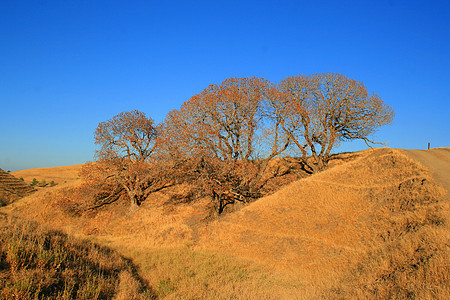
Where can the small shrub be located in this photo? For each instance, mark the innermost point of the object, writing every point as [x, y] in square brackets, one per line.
[43, 183]
[34, 182]
[52, 183]
[165, 287]
[21, 179]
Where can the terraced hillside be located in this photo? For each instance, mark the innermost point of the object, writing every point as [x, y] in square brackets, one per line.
[11, 188]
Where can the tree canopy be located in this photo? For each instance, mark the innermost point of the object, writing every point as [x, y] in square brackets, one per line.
[224, 137]
[125, 161]
[322, 110]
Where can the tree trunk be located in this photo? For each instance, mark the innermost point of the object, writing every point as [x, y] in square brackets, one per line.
[217, 203]
[134, 201]
[316, 163]
[320, 163]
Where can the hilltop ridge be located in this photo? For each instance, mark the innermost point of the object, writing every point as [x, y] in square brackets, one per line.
[324, 226]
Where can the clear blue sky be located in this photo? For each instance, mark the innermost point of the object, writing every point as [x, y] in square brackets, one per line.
[65, 66]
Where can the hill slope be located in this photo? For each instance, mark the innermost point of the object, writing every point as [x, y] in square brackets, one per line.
[11, 188]
[37, 263]
[438, 160]
[326, 227]
[374, 227]
[56, 174]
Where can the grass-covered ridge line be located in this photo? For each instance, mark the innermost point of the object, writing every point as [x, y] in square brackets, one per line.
[36, 263]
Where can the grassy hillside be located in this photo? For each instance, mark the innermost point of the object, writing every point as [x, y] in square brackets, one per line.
[12, 188]
[36, 263]
[373, 227]
[58, 174]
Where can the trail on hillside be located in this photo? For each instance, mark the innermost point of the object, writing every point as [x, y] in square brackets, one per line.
[438, 160]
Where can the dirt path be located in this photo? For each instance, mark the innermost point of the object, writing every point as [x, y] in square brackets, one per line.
[438, 160]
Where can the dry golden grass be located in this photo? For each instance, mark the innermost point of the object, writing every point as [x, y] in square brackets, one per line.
[373, 227]
[322, 228]
[37, 263]
[58, 174]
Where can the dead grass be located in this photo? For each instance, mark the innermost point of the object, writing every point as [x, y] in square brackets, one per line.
[321, 228]
[57, 174]
[184, 272]
[36, 263]
[373, 226]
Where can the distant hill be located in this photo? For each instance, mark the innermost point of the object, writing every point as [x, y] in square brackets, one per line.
[56, 174]
[11, 188]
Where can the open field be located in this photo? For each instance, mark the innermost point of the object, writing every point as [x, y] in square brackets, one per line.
[58, 174]
[373, 226]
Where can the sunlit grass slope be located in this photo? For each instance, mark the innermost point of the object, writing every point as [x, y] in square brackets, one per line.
[57, 174]
[374, 227]
[37, 263]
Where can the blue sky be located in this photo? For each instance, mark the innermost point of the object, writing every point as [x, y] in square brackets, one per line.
[65, 66]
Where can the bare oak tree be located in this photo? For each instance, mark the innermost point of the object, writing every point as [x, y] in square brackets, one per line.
[228, 126]
[224, 137]
[322, 110]
[125, 161]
